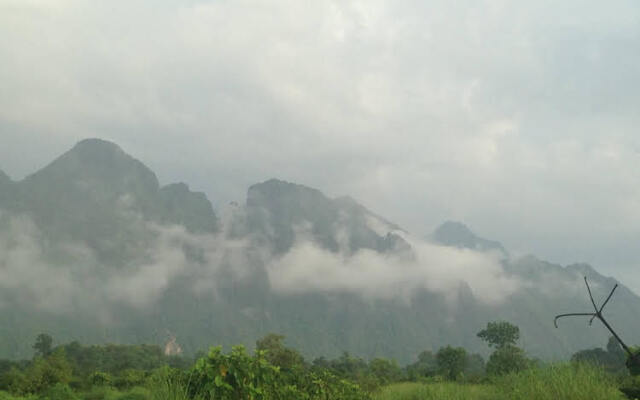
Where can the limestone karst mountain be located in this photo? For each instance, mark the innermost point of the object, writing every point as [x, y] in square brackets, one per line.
[282, 210]
[92, 248]
[456, 234]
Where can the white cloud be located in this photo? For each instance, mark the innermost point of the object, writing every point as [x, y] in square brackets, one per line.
[440, 269]
[518, 117]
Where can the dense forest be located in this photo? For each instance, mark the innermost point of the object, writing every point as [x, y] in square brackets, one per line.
[74, 371]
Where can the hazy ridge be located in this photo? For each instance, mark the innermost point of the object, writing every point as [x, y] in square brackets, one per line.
[93, 248]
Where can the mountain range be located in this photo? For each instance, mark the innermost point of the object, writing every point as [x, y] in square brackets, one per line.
[93, 248]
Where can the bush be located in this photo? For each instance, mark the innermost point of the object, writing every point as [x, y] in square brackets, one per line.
[100, 379]
[6, 396]
[239, 376]
[130, 378]
[136, 393]
[59, 391]
[101, 393]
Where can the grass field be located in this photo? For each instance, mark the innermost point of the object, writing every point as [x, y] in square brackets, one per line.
[422, 391]
[558, 382]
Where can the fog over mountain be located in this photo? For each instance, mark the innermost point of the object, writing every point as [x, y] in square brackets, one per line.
[519, 119]
[92, 248]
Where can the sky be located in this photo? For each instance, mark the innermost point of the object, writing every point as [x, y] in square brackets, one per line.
[519, 119]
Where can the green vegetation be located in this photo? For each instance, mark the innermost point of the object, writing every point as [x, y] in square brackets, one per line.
[436, 390]
[274, 371]
[507, 357]
[567, 381]
[562, 381]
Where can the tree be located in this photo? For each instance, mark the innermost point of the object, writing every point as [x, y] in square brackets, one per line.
[277, 354]
[43, 373]
[612, 359]
[615, 350]
[499, 334]
[451, 361]
[425, 366]
[503, 336]
[385, 371]
[475, 366]
[43, 345]
[507, 359]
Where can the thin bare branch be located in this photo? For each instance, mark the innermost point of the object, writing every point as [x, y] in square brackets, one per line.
[609, 297]
[590, 295]
[571, 315]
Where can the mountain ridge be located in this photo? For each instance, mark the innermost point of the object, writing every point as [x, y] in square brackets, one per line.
[158, 258]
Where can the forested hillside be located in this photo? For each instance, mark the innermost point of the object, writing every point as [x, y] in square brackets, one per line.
[93, 248]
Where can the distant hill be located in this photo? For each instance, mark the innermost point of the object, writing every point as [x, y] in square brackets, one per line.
[93, 249]
[456, 234]
[277, 209]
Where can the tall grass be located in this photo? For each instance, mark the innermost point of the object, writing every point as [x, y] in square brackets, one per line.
[558, 382]
[435, 391]
[170, 390]
[165, 386]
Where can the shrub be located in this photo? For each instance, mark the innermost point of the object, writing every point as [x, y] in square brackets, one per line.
[239, 376]
[100, 379]
[59, 391]
[136, 393]
[101, 393]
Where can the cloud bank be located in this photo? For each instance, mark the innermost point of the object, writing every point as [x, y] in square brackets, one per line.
[518, 118]
[66, 277]
[440, 269]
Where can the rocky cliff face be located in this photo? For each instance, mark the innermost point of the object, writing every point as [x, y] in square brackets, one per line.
[282, 211]
[96, 224]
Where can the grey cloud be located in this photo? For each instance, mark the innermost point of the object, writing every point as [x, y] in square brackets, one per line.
[517, 117]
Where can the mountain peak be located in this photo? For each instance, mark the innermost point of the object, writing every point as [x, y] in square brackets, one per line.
[101, 162]
[457, 234]
[97, 144]
[283, 210]
[278, 188]
[455, 231]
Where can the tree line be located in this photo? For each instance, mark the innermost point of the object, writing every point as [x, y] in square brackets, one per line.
[274, 370]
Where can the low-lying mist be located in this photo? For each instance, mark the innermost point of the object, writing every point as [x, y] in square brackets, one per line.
[427, 266]
[64, 276]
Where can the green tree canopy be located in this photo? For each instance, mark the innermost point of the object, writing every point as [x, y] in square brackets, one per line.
[507, 359]
[425, 366]
[43, 345]
[385, 371]
[499, 334]
[277, 354]
[612, 359]
[451, 361]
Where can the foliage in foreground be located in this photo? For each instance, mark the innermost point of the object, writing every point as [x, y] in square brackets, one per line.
[434, 391]
[560, 381]
[567, 381]
[274, 371]
[239, 376]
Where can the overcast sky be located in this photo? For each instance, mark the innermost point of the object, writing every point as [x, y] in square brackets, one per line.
[520, 119]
